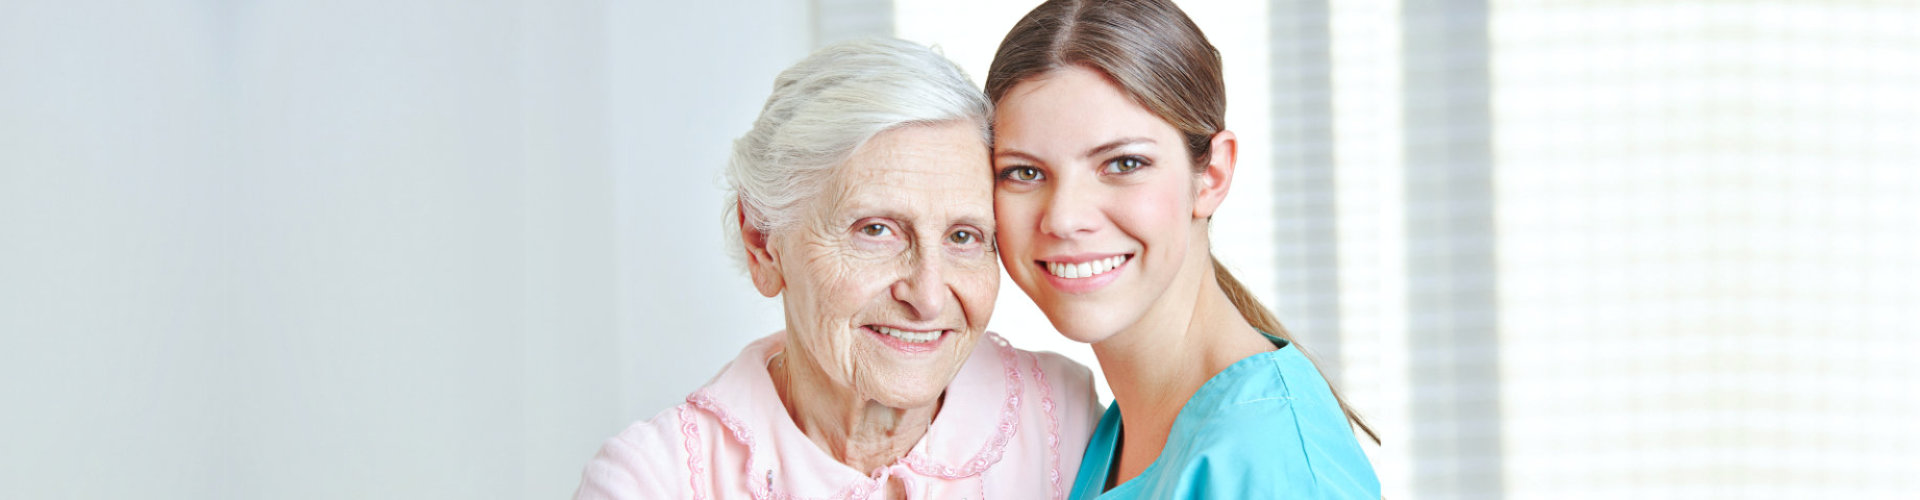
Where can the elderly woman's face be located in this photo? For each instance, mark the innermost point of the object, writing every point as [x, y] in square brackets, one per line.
[892, 276]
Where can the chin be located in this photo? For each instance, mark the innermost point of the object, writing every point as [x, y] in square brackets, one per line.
[1082, 327]
[908, 387]
[908, 398]
[1084, 335]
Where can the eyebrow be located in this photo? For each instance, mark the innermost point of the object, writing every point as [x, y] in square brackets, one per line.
[985, 224]
[1116, 144]
[975, 220]
[1102, 149]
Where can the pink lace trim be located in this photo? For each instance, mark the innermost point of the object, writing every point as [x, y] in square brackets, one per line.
[1053, 425]
[701, 400]
[692, 433]
[764, 491]
[988, 455]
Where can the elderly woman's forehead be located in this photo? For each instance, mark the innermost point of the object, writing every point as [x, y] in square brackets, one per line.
[910, 192]
[916, 179]
[908, 169]
[922, 151]
[947, 137]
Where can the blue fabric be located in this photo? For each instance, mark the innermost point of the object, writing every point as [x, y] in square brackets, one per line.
[1266, 427]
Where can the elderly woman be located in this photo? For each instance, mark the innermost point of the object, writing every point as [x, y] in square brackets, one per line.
[864, 200]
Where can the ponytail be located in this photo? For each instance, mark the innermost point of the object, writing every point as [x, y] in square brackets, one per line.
[1263, 320]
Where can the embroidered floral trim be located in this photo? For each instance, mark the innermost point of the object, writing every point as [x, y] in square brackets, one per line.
[765, 491]
[989, 454]
[692, 433]
[740, 432]
[1053, 424]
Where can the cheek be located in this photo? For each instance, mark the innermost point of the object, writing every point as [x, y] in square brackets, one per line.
[833, 291]
[1014, 218]
[1156, 215]
[977, 284]
[843, 290]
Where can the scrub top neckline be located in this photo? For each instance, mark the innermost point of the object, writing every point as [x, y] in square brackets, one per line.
[1188, 413]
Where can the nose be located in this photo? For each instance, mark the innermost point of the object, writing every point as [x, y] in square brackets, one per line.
[923, 289]
[1068, 211]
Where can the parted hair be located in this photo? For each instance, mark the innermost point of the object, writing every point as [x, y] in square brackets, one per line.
[826, 107]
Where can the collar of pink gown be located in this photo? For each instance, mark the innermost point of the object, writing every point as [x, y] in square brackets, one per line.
[965, 439]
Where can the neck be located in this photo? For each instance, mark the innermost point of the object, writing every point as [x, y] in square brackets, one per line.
[855, 430]
[1156, 365]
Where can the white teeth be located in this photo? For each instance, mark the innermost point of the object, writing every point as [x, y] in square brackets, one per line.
[1085, 269]
[910, 337]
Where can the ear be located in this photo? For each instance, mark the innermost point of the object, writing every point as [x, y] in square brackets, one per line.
[1210, 189]
[761, 259]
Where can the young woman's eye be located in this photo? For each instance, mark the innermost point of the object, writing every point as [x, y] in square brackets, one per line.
[1125, 164]
[1021, 174]
[875, 229]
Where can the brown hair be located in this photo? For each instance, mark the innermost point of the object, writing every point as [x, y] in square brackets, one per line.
[1154, 53]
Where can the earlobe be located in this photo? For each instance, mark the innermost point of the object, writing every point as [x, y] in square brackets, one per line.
[1217, 178]
[761, 261]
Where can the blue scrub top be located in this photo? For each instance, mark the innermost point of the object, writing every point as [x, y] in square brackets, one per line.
[1266, 427]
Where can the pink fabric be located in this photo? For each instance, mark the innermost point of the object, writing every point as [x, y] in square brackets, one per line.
[1053, 432]
[733, 438]
[694, 467]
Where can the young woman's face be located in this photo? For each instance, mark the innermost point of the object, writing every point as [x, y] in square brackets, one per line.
[1094, 200]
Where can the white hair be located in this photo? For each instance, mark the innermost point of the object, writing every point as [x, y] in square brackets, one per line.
[828, 105]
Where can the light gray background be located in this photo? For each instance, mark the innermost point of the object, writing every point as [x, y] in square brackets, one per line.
[363, 249]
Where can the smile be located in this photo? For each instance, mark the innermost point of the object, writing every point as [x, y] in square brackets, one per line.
[909, 336]
[1086, 269]
[909, 342]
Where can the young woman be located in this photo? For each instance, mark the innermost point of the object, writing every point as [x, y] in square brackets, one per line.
[1112, 155]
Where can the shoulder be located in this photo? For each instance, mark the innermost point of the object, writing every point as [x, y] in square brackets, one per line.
[648, 459]
[1283, 433]
[1067, 384]
[689, 448]
[1251, 455]
[1065, 374]
[1058, 410]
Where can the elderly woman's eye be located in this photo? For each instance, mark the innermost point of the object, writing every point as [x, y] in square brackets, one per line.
[1125, 164]
[875, 230]
[963, 237]
[1022, 174]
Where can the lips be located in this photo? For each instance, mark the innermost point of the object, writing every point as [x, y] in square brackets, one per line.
[913, 342]
[1085, 269]
[1084, 273]
[908, 336]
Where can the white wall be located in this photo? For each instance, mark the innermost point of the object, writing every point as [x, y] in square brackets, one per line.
[363, 249]
[686, 307]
